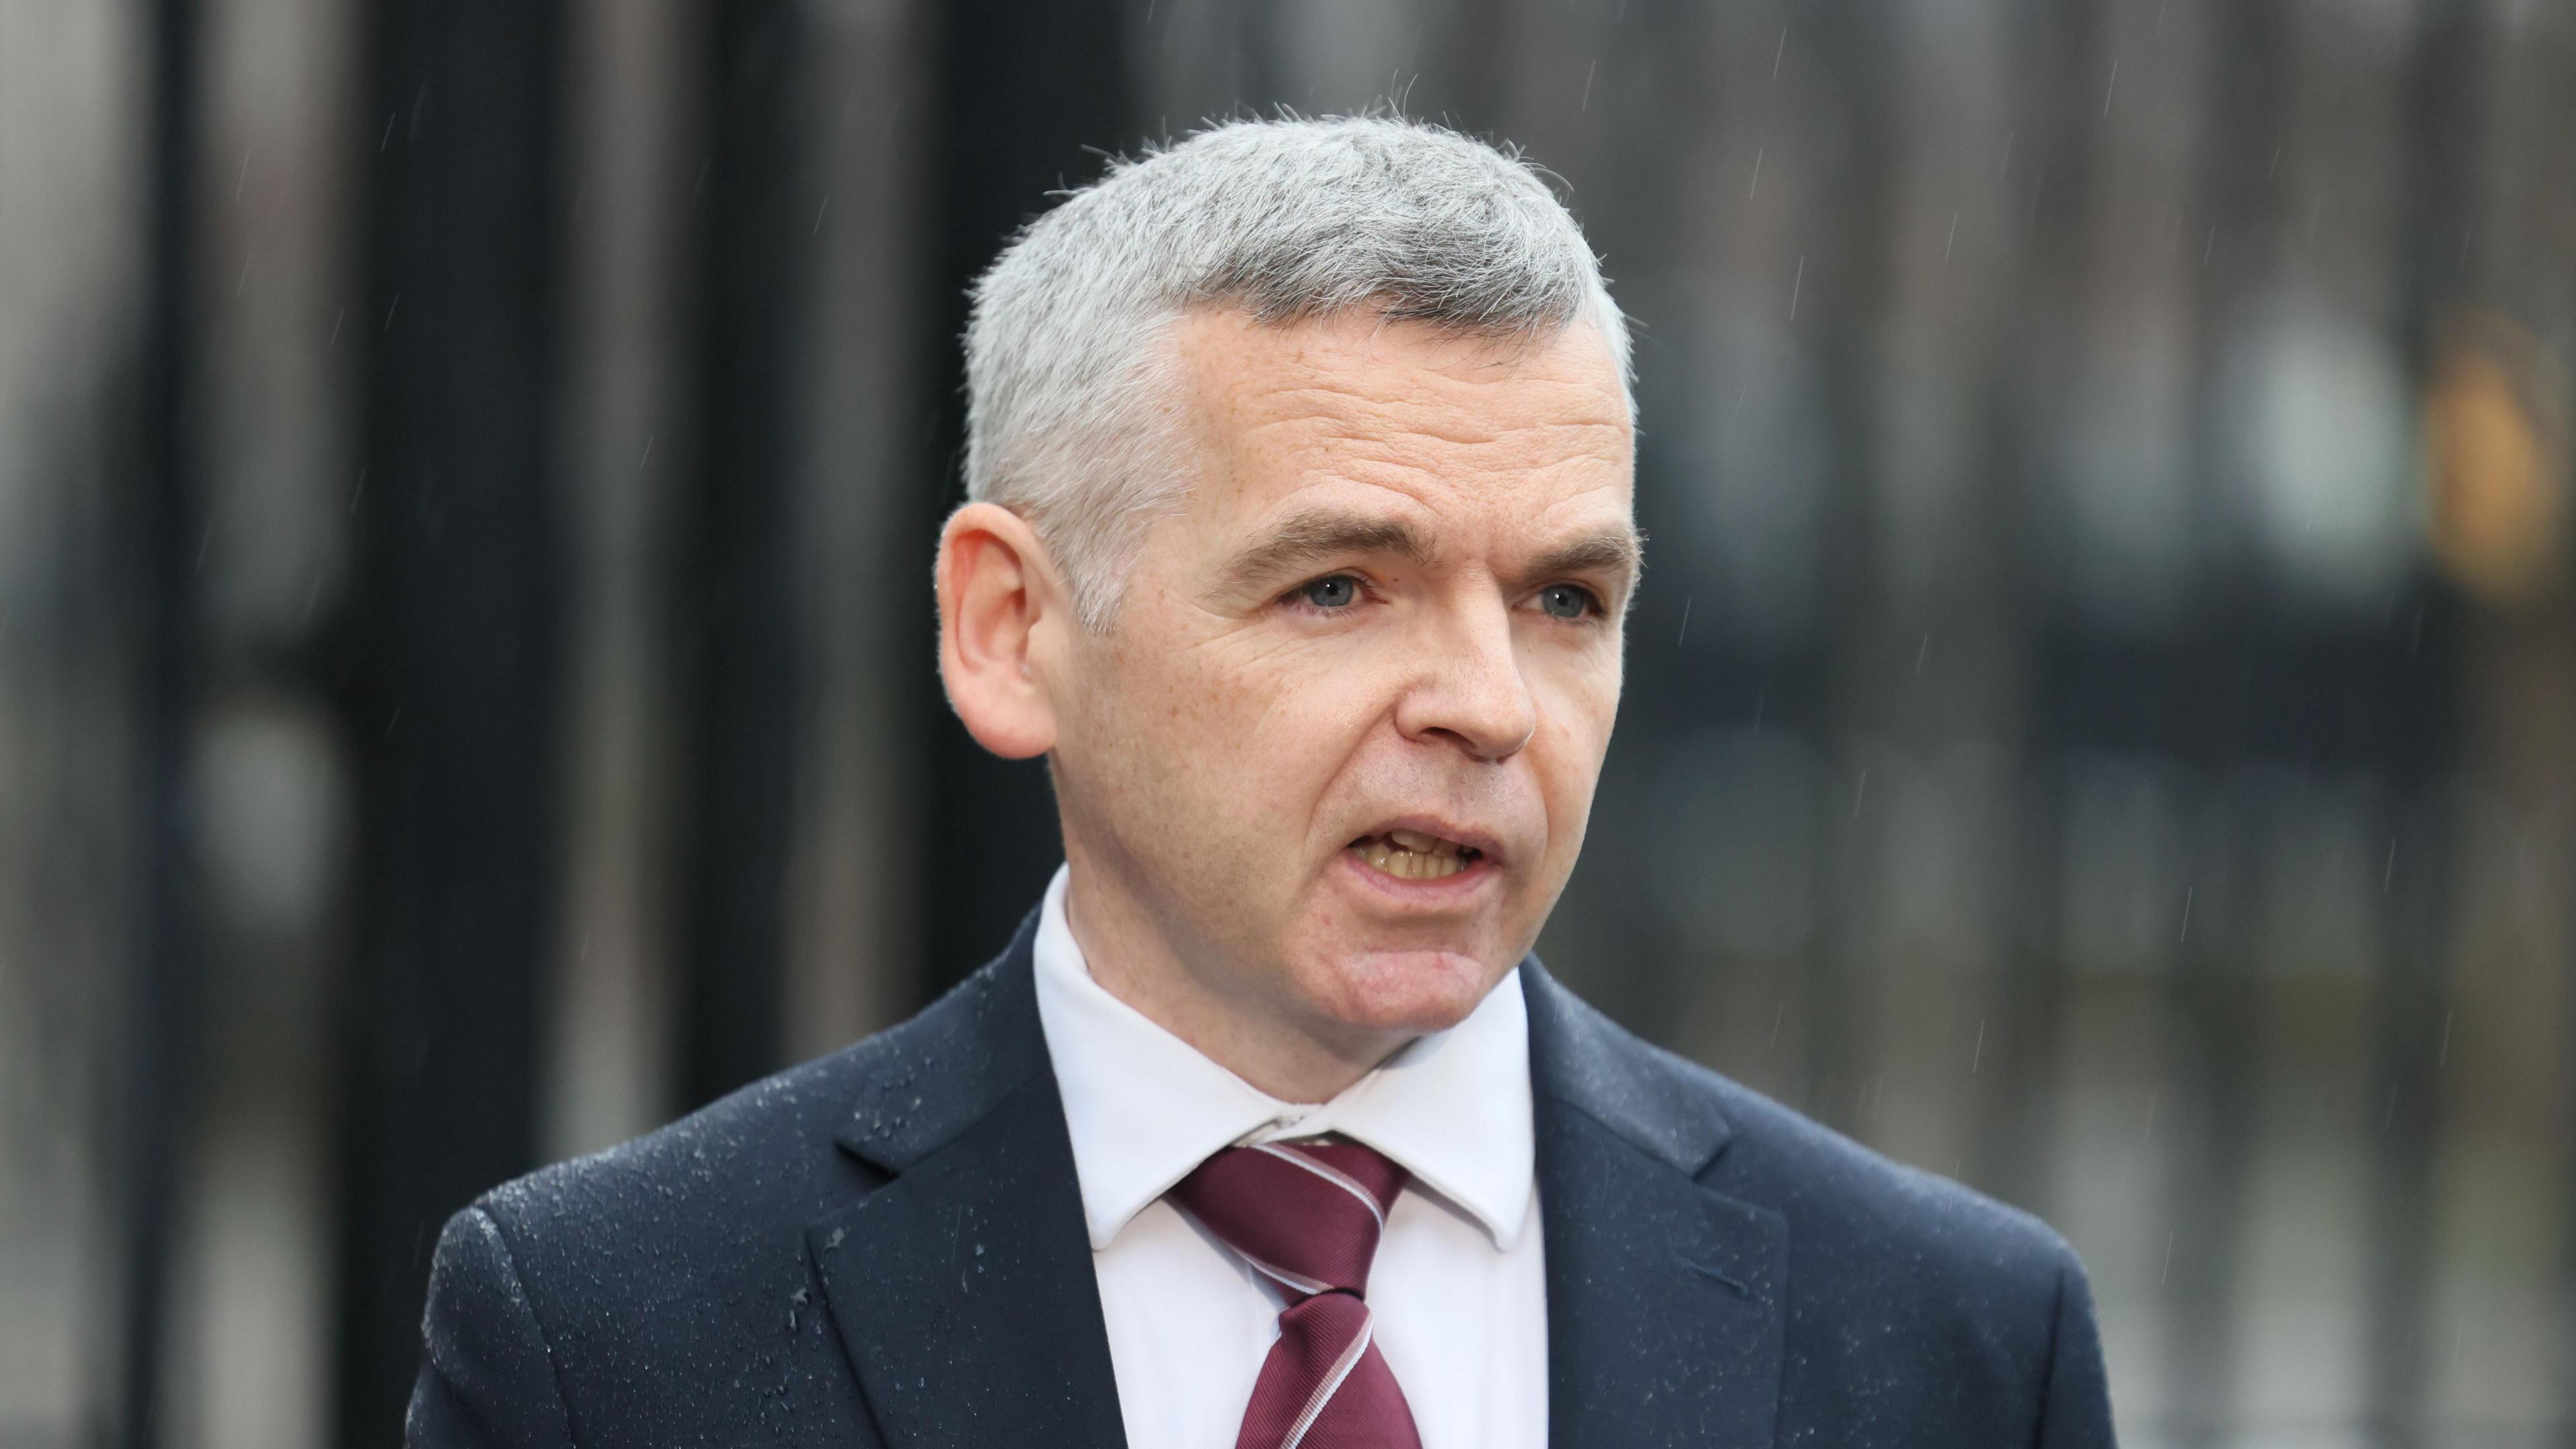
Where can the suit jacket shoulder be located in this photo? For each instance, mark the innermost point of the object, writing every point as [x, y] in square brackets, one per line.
[1917, 1310]
[661, 1291]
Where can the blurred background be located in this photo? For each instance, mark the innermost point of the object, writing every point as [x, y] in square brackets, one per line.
[2101, 719]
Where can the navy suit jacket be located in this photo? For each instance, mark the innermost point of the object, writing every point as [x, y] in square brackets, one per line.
[886, 1247]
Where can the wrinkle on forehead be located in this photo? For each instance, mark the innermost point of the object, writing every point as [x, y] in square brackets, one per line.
[1415, 402]
[1319, 397]
[1393, 439]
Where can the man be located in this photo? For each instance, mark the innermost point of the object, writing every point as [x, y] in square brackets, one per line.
[1300, 541]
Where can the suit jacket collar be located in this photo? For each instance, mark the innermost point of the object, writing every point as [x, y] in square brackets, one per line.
[1583, 1061]
[962, 1288]
[964, 1291]
[924, 1083]
[1666, 1301]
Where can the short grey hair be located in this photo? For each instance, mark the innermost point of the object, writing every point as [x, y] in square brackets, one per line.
[1069, 388]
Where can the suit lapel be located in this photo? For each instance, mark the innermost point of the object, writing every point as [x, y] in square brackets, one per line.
[963, 1287]
[1666, 1302]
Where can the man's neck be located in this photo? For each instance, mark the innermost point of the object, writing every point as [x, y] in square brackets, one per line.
[1254, 1037]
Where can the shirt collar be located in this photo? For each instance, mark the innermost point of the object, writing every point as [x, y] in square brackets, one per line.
[1144, 1107]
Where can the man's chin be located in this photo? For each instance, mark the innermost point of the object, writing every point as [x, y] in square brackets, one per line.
[1406, 991]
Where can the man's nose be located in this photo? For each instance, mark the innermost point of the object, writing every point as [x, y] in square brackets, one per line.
[1471, 689]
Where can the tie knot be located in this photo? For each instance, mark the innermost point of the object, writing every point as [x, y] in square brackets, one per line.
[1307, 1214]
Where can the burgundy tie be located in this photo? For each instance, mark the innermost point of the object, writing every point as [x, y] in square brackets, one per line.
[1308, 1215]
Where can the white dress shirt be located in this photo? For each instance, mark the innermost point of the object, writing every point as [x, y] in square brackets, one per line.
[1458, 1294]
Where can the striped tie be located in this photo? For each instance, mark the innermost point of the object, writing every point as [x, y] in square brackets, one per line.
[1308, 1215]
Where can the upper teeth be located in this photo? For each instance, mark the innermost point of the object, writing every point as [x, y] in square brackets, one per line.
[1413, 855]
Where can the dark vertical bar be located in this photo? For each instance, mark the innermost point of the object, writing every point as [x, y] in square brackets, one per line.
[1029, 85]
[1841, 286]
[1465, 77]
[736, 622]
[2418, 683]
[449, 665]
[158, 1086]
[1261, 56]
[2046, 184]
[2226, 709]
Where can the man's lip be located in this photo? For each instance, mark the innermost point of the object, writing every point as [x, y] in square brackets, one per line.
[1482, 842]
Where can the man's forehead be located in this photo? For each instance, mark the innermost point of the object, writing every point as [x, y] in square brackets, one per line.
[1350, 437]
[1356, 371]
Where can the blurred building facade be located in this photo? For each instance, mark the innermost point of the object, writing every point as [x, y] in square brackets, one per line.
[2101, 718]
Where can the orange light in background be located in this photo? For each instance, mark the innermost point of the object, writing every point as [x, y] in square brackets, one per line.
[2496, 460]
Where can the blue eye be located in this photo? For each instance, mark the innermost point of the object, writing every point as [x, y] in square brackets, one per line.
[1335, 591]
[1567, 601]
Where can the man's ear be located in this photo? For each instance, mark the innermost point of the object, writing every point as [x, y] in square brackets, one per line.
[996, 590]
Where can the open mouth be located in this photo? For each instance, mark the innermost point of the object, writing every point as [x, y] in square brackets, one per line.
[1413, 855]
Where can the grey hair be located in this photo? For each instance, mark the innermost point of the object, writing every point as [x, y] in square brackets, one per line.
[1069, 391]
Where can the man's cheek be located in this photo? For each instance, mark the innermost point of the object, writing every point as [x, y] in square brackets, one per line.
[1263, 713]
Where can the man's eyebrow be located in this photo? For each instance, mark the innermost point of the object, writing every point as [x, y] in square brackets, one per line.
[1618, 551]
[1311, 537]
[1319, 534]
